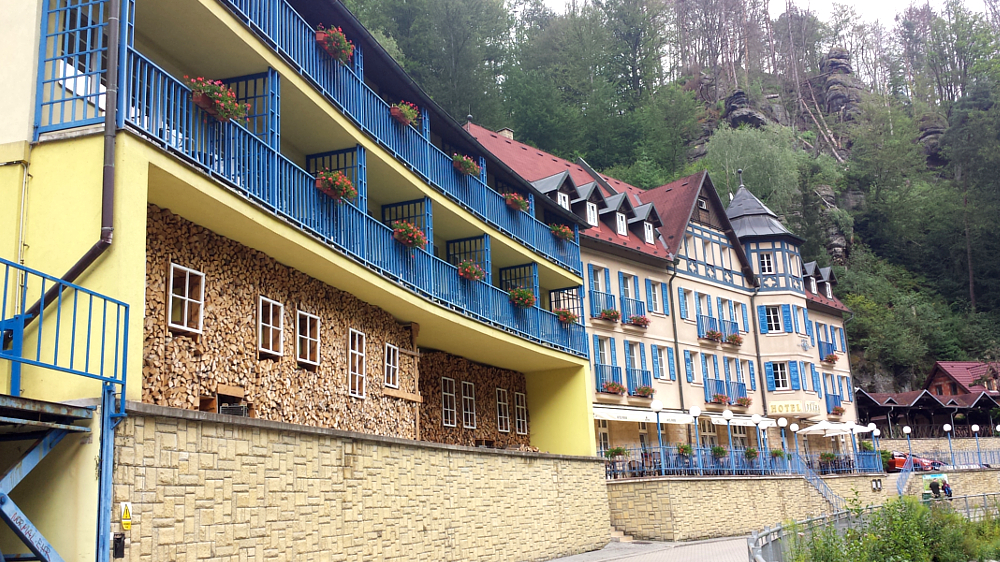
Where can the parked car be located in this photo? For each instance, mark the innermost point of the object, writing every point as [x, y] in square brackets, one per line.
[919, 463]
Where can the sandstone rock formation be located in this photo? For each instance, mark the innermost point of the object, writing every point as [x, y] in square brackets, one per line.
[842, 90]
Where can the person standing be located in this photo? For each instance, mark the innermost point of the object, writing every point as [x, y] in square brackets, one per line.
[946, 488]
[936, 489]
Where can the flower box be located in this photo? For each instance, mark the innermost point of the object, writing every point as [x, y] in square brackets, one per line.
[405, 113]
[644, 391]
[612, 387]
[712, 335]
[719, 452]
[827, 458]
[831, 359]
[684, 450]
[465, 165]
[720, 399]
[407, 234]
[734, 339]
[470, 270]
[640, 321]
[522, 297]
[750, 454]
[777, 454]
[335, 43]
[516, 202]
[566, 317]
[610, 314]
[616, 452]
[216, 99]
[837, 411]
[744, 401]
[335, 185]
[561, 231]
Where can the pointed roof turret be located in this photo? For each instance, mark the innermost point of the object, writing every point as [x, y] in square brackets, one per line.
[750, 217]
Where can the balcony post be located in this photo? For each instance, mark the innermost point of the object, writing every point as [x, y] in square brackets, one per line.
[482, 170]
[359, 65]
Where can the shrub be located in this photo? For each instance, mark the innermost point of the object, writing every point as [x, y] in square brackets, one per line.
[616, 452]
[719, 452]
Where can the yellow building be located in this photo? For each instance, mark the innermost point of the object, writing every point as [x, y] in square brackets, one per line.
[280, 236]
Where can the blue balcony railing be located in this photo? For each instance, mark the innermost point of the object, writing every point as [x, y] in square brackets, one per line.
[160, 107]
[632, 307]
[638, 378]
[737, 390]
[729, 328]
[832, 401]
[286, 31]
[706, 323]
[713, 387]
[601, 301]
[825, 349]
[606, 374]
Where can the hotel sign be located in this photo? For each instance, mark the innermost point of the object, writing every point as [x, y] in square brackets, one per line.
[793, 407]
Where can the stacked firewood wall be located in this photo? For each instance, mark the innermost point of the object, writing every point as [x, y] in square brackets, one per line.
[182, 370]
[434, 365]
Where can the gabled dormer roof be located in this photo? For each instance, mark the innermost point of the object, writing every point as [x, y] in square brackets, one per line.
[618, 203]
[646, 213]
[810, 269]
[826, 275]
[751, 218]
[552, 183]
[589, 192]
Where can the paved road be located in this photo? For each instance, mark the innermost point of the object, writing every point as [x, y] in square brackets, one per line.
[716, 550]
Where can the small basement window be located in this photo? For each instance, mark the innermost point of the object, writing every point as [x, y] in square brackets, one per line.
[186, 299]
[270, 327]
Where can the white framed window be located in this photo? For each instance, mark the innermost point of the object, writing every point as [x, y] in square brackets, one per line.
[781, 376]
[186, 300]
[739, 436]
[820, 330]
[654, 297]
[603, 439]
[627, 283]
[766, 260]
[829, 291]
[812, 286]
[599, 284]
[270, 326]
[448, 405]
[702, 204]
[307, 338]
[563, 200]
[468, 405]
[706, 430]
[356, 364]
[622, 224]
[773, 318]
[643, 436]
[603, 351]
[633, 354]
[592, 213]
[521, 413]
[503, 413]
[647, 229]
[391, 366]
[658, 360]
[707, 252]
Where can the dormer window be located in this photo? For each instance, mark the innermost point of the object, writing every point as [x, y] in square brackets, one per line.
[592, 214]
[563, 200]
[702, 204]
[622, 224]
[829, 291]
[648, 231]
[812, 286]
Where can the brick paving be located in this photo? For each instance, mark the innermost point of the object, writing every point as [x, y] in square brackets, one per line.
[715, 550]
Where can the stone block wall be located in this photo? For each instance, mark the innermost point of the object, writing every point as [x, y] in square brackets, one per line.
[963, 482]
[434, 365]
[214, 487]
[940, 444]
[180, 368]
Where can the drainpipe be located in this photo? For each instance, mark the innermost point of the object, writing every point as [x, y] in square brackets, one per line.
[850, 368]
[677, 351]
[108, 175]
[756, 341]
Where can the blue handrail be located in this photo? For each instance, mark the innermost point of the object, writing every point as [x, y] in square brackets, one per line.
[638, 378]
[825, 348]
[729, 328]
[632, 307]
[706, 323]
[606, 374]
[601, 301]
[713, 387]
[160, 106]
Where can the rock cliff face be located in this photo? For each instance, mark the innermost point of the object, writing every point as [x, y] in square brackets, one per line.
[739, 112]
[932, 126]
[843, 90]
[836, 239]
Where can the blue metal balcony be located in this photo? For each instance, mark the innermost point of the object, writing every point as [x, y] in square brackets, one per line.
[729, 328]
[832, 401]
[706, 323]
[713, 387]
[601, 301]
[160, 107]
[632, 307]
[637, 378]
[825, 349]
[605, 374]
[737, 390]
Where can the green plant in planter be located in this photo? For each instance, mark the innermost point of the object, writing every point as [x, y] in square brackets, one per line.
[517, 202]
[777, 454]
[684, 449]
[566, 316]
[644, 391]
[886, 458]
[616, 452]
[522, 297]
[405, 113]
[750, 454]
[465, 164]
[334, 42]
[561, 231]
[719, 452]
[827, 457]
[408, 234]
[867, 446]
[610, 314]
[471, 270]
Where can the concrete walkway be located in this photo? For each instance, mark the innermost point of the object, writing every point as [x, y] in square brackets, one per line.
[714, 550]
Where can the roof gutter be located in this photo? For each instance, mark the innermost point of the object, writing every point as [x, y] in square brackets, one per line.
[108, 174]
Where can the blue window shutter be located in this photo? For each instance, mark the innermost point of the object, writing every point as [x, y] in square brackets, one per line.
[697, 303]
[614, 354]
[607, 281]
[666, 298]
[795, 317]
[725, 364]
[642, 355]
[843, 340]
[762, 318]
[732, 312]
[671, 367]
[793, 373]
[688, 368]
[840, 386]
[769, 375]
[739, 370]
[708, 306]
[656, 360]
[786, 317]
[805, 375]
[850, 389]
[812, 333]
[621, 287]
[816, 383]
[746, 320]
[752, 375]
[590, 277]
[649, 294]
[628, 353]
[715, 365]
[682, 302]
[597, 356]
[704, 368]
[809, 330]
[718, 306]
[826, 333]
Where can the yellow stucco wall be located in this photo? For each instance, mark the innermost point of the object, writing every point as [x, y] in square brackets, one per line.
[19, 53]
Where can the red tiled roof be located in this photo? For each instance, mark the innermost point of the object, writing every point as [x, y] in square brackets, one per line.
[821, 299]
[533, 164]
[964, 373]
[675, 202]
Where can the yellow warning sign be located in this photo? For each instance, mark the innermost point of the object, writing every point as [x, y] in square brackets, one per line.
[127, 516]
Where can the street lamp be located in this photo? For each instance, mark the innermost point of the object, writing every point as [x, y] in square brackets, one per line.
[795, 434]
[695, 411]
[979, 453]
[878, 454]
[947, 431]
[872, 427]
[727, 415]
[783, 423]
[656, 406]
[854, 442]
[755, 419]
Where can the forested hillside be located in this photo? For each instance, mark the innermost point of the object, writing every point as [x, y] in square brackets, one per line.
[879, 144]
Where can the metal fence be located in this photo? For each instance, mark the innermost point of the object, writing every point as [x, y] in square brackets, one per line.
[778, 543]
[681, 460]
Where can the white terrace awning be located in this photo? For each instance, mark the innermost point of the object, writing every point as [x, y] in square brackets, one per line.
[621, 413]
[743, 421]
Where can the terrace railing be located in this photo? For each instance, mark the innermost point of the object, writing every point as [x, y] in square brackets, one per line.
[825, 348]
[737, 390]
[606, 374]
[704, 461]
[636, 379]
[601, 301]
[713, 387]
[706, 323]
[729, 328]
[632, 307]
[160, 107]
[832, 401]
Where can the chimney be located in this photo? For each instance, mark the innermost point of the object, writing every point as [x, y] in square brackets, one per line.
[506, 133]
